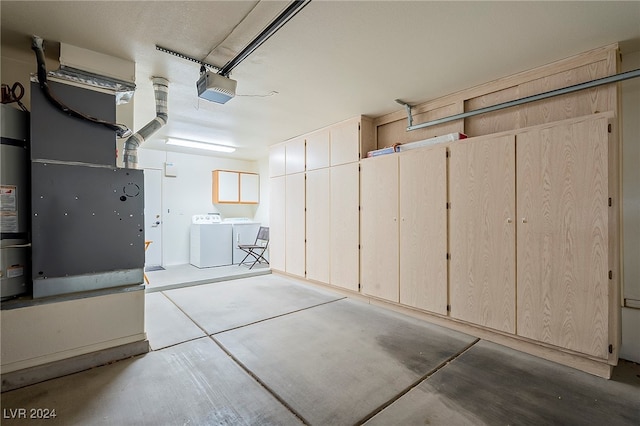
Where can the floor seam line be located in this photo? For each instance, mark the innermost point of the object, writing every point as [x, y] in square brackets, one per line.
[206, 333]
[179, 343]
[276, 316]
[260, 382]
[417, 383]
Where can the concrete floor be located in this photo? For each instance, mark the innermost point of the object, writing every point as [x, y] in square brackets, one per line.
[269, 350]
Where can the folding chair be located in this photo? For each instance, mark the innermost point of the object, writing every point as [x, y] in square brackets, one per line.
[256, 250]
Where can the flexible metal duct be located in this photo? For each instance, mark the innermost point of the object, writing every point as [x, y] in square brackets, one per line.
[161, 90]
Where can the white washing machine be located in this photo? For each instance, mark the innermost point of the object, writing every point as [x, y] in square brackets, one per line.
[244, 232]
[210, 241]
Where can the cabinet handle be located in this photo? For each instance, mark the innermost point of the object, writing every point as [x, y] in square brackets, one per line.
[524, 220]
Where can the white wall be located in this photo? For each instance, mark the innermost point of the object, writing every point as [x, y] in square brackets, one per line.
[189, 193]
[631, 209]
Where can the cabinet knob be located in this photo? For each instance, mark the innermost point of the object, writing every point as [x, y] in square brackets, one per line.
[395, 219]
[509, 220]
[524, 220]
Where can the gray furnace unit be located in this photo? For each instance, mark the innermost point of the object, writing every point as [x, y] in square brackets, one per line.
[87, 215]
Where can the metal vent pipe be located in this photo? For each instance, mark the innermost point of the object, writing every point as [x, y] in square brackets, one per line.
[161, 90]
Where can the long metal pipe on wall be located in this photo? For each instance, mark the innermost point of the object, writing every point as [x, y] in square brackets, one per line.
[570, 89]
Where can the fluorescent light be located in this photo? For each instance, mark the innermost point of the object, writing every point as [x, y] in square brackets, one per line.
[200, 145]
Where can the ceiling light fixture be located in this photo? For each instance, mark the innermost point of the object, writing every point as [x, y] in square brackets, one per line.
[200, 145]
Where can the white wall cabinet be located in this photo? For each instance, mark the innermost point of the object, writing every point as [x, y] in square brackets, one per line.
[249, 188]
[230, 187]
[226, 188]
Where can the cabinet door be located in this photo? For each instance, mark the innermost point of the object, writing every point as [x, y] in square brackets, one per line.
[277, 213]
[318, 150]
[345, 142]
[226, 187]
[276, 160]
[379, 227]
[249, 188]
[563, 285]
[318, 225]
[294, 224]
[423, 229]
[294, 156]
[345, 226]
[482, 232]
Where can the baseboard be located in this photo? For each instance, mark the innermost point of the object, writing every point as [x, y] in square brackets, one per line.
[30, 376]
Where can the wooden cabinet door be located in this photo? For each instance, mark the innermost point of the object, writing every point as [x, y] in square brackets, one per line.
[249, 188]
[423, 229]
[318, 225]
[345, 226]
[345, 142]
[482, 232]
[318, 149]
[563, 236]
[277, 213]
[295, 225]
[379, 227]
[226, 187]
[276, 160]
[295, 156]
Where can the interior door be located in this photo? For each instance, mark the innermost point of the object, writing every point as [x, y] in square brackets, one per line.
[153, 217]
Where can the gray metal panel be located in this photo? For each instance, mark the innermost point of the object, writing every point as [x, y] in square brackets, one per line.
[86, 220]
[57, 136]
[45, 287]
[14, 123]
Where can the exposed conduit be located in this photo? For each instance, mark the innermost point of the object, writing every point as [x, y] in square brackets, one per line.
[161, 90]
[587, 85]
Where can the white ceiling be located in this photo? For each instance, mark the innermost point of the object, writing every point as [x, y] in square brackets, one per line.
[332, 61]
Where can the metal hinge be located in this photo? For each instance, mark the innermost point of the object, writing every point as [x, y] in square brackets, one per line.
[610, 275]
[448, 308]
[359, 286]
[609, 128]
[448, 256]
[610, 349]
[447, 153]
[448, 206]
[610, 202]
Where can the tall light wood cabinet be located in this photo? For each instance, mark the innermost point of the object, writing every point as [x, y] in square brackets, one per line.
[295, 224]
[423, 229]
[379, 239]
[482, 232]
[318, 225]
[277, 213]
[563, 239]
[345, 226]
